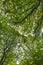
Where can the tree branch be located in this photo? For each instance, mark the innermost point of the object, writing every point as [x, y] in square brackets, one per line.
[31, 12]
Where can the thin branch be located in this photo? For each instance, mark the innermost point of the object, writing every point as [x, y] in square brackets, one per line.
[37, 28]
[2, 59]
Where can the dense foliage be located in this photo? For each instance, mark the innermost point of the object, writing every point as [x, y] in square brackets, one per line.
[21, 32]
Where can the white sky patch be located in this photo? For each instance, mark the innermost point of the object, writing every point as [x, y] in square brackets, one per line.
[18, 44]
[0, 11]
[1, 35]
[17, 62]
[32, 34]
[3, 0]
[20, 32]
[42, 30]
[26, 34]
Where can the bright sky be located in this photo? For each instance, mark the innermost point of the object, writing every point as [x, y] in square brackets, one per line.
[42, 30]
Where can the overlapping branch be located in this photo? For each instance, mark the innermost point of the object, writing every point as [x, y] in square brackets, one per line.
[29, 14]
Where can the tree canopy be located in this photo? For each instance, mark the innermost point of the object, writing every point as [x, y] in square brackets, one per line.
[21, 32]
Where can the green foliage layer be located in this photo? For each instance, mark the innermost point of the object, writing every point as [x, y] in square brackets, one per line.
[21, 32]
